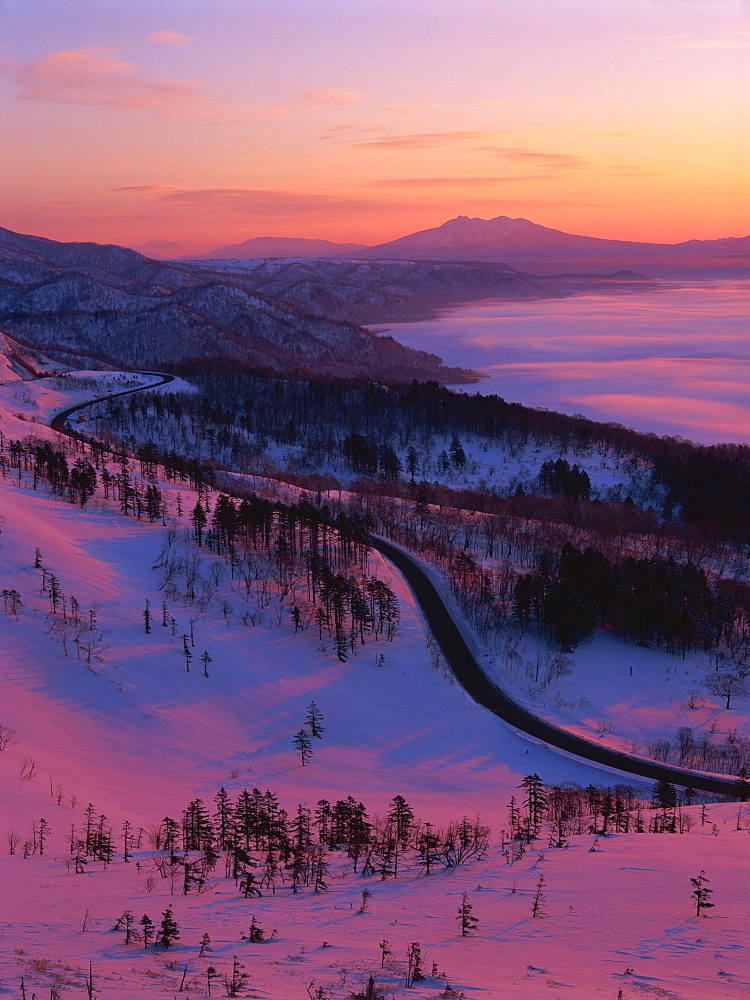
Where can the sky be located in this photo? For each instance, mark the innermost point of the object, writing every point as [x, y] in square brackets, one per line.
[178, 126]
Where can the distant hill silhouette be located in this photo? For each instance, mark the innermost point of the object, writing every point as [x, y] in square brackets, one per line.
[262, 247]
[519, 240]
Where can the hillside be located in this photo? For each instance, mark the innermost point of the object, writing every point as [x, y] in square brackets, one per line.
[392, 291]
[141, 737]
[83, 305]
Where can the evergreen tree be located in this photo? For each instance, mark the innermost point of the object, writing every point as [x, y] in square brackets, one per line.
[256, 934]
[537, 907]
[303, 745]
[536, 804]
[401, 816]
[314, 719]
[199, 519]
[414, 973]
[458, 457]
[236, 982]
[701, 893]
[148, 929]
[205, 660]
[168, 932]
[467, 921]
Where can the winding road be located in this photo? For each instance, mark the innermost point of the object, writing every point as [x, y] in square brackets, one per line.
[59, 420]
[441, 620]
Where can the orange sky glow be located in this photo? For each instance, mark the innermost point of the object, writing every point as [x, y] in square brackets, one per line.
[176, 127]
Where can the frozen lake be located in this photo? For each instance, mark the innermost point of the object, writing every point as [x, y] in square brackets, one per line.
[674, 360]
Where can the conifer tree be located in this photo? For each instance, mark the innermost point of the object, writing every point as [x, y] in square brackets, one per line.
[314, 719]
[237, 980]
[168, 932]
[701, 893]
[256, 934]
[467, 921]
[303, 745]
[148, 929]
[537, 908]
[414, 973]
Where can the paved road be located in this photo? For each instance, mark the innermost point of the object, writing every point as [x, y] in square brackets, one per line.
[470, 675]
[472, 678]
[58, 421]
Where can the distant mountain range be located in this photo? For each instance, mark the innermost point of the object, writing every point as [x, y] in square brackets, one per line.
[398, 291]
[518, 242]
[88, 305]
[518, 239]
[96, 306]
[278, 246]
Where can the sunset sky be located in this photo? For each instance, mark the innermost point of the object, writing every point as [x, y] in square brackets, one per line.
[176, 126]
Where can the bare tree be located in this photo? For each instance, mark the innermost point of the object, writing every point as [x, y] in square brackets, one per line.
[8, 737]
[726, 685]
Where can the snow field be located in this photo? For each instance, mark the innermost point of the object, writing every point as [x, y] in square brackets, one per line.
[139, 737]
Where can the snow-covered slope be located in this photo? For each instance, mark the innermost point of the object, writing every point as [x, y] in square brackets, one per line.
[88, 305]
[139, 737]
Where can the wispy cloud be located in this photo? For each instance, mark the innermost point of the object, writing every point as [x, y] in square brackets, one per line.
[169, 37]
[320, 99]
[352, 129]
[535, 158]
[261, 202]
[141, 189]
[448, 182]
[406, 110]
[482, 142]
[426, 140]
[93, 76]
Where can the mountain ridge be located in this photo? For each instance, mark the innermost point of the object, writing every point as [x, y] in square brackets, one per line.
[495, 239]
[82, 302]
[261, 247]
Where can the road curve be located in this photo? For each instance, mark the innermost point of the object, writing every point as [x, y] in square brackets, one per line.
[58, 421]
[475, 682]
[463, 663]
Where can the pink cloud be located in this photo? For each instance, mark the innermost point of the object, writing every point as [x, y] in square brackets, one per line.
[142, 189]
[427, 140]
[444, 182]
[406, 110]
[93, 76]
[168, 37]
[319, 99]
[262, 202]
[535, 158]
